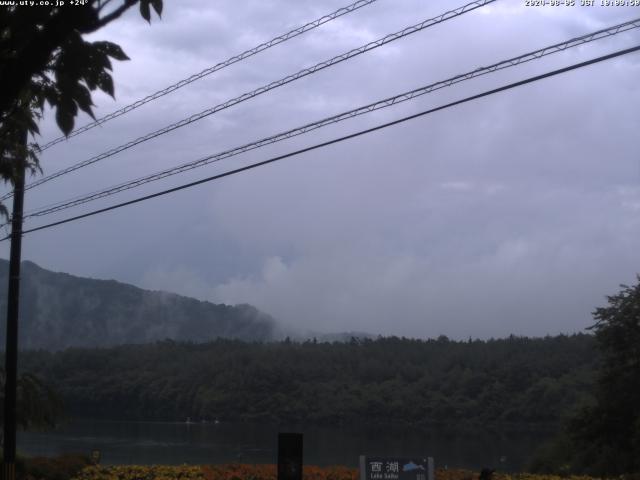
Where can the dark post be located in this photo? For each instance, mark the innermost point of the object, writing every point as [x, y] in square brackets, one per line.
[289, 456]
[11, 350]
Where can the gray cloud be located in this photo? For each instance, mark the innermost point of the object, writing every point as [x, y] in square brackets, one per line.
[513, 214]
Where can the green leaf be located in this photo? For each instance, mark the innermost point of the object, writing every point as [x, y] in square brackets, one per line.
[97, 59]
[92, 77]
[34, 161]
[144, 10]
[105, 83]
[32, 126]
[51, 95]
[83, 99]
[65, 118]
[157, 6]
[40, 101]
[111, 49]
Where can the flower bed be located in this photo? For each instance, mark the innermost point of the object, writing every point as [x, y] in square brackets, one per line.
[468, 475]
[209, 472]
[138, 472]
[266, 472]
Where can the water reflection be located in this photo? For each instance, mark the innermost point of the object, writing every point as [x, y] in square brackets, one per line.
[198, 443]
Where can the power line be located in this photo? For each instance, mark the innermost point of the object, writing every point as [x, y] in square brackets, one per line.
[340, 139]
[219, 66]
[79, 200]
[278, 83]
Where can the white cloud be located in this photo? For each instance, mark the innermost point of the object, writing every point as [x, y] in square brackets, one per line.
[177, 279]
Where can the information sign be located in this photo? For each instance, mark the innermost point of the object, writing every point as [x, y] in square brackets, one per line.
[396, 468]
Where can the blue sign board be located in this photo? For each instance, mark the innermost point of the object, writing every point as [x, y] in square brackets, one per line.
[396, 468]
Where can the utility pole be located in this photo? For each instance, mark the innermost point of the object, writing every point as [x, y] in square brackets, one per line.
[13, 303]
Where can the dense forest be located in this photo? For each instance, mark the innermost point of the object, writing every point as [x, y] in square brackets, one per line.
[522, 382]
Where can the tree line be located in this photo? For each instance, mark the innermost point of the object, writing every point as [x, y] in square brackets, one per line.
[520, 382]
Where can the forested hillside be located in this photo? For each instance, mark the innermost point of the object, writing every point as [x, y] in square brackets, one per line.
[58, 310]
[517, 381]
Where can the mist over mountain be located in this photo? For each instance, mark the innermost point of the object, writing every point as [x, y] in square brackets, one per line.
[58, 310]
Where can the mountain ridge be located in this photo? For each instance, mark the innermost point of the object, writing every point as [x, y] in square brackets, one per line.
[59, 310]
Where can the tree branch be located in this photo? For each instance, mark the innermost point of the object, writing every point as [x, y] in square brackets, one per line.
[116, 13]
[102, 4]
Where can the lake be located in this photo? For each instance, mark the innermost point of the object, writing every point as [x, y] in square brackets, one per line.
[175, 443]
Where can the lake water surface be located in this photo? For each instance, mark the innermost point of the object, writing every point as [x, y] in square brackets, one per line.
[196, 443]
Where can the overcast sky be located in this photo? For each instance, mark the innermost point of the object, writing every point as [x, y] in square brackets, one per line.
[514, 214]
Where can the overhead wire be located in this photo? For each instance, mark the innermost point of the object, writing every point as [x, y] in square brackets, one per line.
[387, 102]
[266, 88]
[339, 139]
[219, 66]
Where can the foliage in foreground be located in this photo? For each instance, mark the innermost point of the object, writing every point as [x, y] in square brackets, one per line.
[468, 475]
[38, 406]
[63, 467]
[603, 439]
[45, 60]
[607, 435]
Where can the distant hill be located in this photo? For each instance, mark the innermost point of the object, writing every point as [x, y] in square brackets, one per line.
[58, 310]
